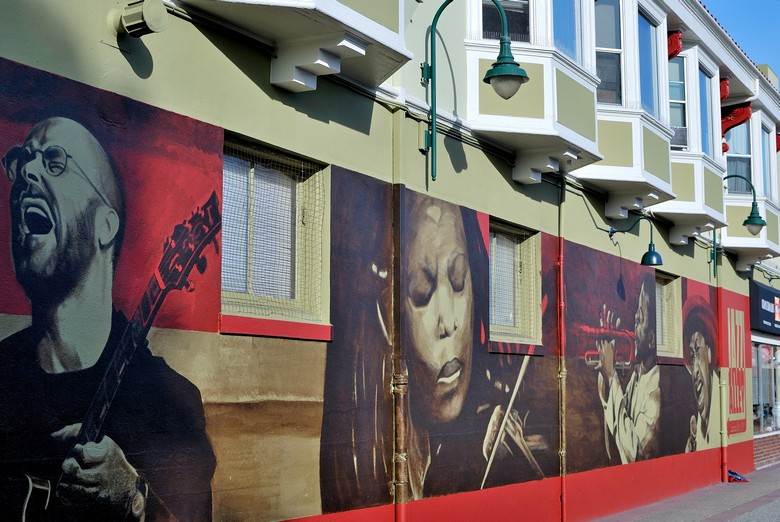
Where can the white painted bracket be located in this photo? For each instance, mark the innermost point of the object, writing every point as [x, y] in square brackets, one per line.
[528, 170]
[618, 205]
[680, 234]
[745, 263]
[298, 63]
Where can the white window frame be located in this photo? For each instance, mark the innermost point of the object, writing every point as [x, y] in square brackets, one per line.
[532, 22]
[763, 121]
[528, 331]
[709, 66]
[656, 16]
[751, 125]
[685, 57]
[310, 276]
[621, 52]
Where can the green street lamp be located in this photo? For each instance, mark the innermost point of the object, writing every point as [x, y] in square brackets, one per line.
[754, 222]
[505, 76]
[651, 257]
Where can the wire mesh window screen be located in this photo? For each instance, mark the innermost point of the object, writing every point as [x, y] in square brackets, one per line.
[668, 316]
[272, 234]
[515, 285]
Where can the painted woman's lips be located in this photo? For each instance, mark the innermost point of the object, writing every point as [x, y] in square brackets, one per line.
[450, 372]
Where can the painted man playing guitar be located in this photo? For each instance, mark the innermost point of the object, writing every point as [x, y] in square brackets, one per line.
[80, 445]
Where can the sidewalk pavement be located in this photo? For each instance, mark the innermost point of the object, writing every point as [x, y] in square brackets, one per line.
[757, 500]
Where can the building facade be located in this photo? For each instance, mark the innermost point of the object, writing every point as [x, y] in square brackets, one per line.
[229, 275]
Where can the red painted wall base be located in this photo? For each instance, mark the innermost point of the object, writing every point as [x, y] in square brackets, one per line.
[590, 494]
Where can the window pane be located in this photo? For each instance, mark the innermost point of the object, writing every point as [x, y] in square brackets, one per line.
[677, 113]
[766, 162]
[608, 68]
[503, 271]
[517, 15]
[677, 70]
[273, 234]
[235, 201]
[705, 105]
[738, 139]
[741, 167]
[608, 24]
[648, 65]
[565, 28]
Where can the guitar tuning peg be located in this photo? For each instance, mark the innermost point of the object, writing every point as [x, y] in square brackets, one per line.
[189, 286]
[201, 264]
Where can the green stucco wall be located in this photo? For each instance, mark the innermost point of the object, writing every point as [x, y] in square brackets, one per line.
[615, 143]
[656, 154]
[381, 11]
[713, 190]
[527, 103]
[684, 181]
[576, 106]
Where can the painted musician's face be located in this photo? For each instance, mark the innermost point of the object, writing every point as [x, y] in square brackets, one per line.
[700, 371]
[437, 304]
[52, 215]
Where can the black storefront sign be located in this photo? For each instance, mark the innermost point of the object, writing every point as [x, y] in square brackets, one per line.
[764, 308]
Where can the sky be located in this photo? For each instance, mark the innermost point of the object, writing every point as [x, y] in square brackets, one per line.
[754, 24]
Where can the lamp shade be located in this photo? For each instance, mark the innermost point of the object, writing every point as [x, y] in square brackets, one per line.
[506, 78]
[652, 257]
[754, 222]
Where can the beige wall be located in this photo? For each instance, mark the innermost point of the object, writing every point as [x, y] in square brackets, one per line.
[527, 103]
[713, 190]
[771, 227]
[735, 215]
[615, 143]
[576, 105]
[656, 154]
[684, 181]
[384, 12]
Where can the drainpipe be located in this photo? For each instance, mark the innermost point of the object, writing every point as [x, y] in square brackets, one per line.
[562, 350]
[723, 386]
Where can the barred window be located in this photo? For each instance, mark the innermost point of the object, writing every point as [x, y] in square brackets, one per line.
[515, 285]
[272, 229]
[668, 315]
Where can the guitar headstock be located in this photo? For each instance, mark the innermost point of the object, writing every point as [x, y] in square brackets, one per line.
[182, 250]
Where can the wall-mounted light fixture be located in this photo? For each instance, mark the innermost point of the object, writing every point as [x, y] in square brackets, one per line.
[139, 18]
[651, 257]
[505, 76]
[754, 222]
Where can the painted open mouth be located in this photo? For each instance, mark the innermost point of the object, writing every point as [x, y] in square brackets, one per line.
[450, 372]
[36, 216]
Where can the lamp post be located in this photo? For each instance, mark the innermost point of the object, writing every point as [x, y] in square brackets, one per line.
[651, 257]
[505, 75]
[754, 222]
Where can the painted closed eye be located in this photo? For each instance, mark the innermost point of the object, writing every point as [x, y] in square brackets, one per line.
[456, 271]
[421, 287]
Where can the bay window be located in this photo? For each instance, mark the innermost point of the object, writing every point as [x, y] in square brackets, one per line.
[609, 51]
[766, 162]
[518, 19]
[678, 102]
[738, 158]
[566, 28]
[648, 64]
[705, 111]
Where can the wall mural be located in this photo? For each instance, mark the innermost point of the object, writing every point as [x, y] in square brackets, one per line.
[93, 237]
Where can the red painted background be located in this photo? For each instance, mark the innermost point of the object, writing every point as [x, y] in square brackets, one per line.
[168, 164]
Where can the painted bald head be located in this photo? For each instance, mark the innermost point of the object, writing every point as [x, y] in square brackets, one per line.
[66, 206]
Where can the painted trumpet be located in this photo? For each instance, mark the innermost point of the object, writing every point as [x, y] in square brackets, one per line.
[624, 344]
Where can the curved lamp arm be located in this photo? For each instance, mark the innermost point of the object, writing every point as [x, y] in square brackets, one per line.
[613, 230]
[505, 65]
[754, 222]
[651, 257]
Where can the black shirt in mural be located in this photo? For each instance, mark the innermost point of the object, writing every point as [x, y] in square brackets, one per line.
[156, 419]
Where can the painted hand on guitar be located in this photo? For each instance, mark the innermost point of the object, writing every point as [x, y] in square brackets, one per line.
[96, 475]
